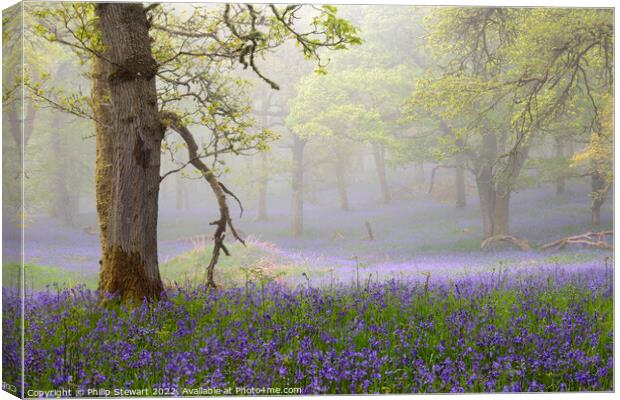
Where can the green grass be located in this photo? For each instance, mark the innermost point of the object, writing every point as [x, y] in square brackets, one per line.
[397, 338]
[189, 269]
[37, 277]
[462, 245]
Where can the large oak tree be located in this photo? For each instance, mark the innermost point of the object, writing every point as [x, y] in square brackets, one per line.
[148, 64]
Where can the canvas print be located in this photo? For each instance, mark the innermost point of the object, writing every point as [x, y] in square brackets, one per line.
[284, 199]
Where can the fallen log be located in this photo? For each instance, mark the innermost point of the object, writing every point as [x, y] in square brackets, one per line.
[519, 243]
[589, 239]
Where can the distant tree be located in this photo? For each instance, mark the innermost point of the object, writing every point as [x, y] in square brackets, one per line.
[508, 75]
[360, 105]
[598, 158]
[270, 115]
[290, 67]
[52, 179]
[266, 166]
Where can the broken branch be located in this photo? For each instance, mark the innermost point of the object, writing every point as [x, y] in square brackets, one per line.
[171, 120]
[589, 239]
[519, 243]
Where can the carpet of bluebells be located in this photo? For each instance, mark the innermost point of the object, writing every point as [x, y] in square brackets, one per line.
[544, 329]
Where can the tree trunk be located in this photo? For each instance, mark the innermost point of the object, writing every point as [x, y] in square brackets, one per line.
[102, 112]
[560, 182]
[130, 266]
[180, 193]
[297, 183]
[596, 214]
[61, 206]
[486, 195]
[341, 181]
[501, 214]
[262, 188]
[599, 192]
[378, 151]
[485, 184]
[15, 123]
[459, 182]
[75, 191]
[494, 210]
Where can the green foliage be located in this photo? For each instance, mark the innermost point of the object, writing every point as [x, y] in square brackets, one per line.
[198, 54]
[359, 104]
[361, 99]
[516, 73]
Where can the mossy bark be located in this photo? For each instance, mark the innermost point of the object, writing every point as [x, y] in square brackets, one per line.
[129, 263]
[125, 275]
[501, 214]
[100, 94]
[495, 187]
[487, 204]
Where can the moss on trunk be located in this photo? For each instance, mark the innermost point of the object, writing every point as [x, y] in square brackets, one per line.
[125, 275]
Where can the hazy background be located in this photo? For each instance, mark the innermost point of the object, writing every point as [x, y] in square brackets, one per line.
[414, 233]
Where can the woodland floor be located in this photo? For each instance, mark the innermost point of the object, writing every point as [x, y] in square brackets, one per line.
[415, 235]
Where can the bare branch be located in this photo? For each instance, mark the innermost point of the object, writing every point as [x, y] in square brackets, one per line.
[172, 121]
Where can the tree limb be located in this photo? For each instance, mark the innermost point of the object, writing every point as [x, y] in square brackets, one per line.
[172, 121]
[430, 188]
[519, 243]
[589, 239]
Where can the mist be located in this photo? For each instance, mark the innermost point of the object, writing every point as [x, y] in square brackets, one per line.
[225, 159]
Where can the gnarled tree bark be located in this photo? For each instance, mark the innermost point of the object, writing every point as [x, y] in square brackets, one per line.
[521, 244]
[129, 263]
[485, 184]
[495, 186]
[102, 112]
[589, 239]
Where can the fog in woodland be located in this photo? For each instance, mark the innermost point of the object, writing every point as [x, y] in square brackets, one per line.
[371, 158]
[351, 199]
